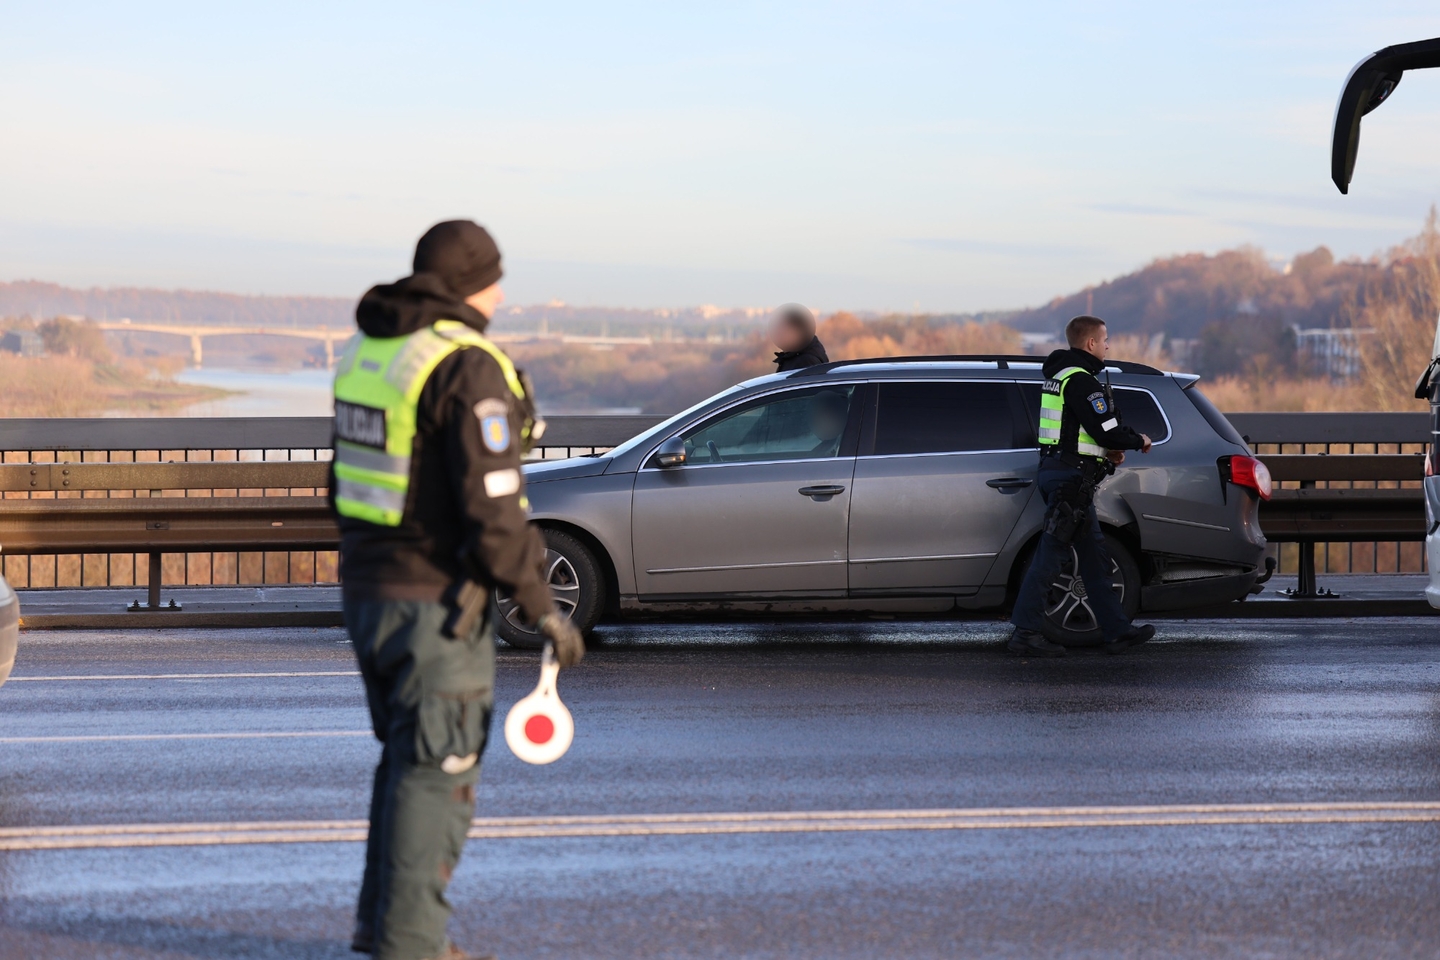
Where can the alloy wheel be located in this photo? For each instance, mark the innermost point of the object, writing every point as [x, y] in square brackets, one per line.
[1068, 601]
[564, 587]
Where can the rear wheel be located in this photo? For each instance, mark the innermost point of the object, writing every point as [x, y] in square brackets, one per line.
[1069, 617]
[573, 575]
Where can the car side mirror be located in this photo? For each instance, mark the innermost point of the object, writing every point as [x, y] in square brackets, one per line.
[671, 453]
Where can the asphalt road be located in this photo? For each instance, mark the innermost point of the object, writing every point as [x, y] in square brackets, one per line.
[870, 718]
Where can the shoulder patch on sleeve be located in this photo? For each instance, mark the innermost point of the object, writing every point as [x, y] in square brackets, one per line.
[494, 418]
[1097, 400]
[502, 483]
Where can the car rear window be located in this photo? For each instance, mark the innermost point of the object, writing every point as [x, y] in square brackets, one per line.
[947, 417]
[1138, 410]
[1214, 417]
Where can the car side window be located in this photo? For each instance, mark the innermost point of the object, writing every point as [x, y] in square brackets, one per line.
[947, 417]
[1138, 410]
[796, 425]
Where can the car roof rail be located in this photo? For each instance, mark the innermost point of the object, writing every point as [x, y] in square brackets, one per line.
[1001, 360]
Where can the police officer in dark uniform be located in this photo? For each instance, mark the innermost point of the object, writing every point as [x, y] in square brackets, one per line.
[431, 422]
[1081, 442]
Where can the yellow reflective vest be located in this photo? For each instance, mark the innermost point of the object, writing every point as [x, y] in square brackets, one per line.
[378, 382]
[1052, 413]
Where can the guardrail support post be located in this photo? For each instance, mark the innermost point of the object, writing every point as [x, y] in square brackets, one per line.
[156, 577]
[153, 589]
[1306, 587]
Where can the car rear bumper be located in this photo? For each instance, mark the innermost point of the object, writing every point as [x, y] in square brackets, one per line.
[1197, 593]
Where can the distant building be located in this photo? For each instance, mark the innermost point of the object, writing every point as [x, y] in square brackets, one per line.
[26, 343]
[1039, 344]
[1183, 351]
[1333, 352]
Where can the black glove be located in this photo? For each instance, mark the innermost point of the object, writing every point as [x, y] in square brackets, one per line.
[562, 632]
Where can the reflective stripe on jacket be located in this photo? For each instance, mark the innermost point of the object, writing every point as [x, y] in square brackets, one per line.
[1052, 415]
[378, 382]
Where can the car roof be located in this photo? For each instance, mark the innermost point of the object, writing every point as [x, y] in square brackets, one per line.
[950, 365]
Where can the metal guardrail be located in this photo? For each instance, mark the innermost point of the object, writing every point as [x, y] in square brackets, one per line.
[122, 508]
[274, 505]
[1332, 428]
[208, 475]
[261, 433]
[1315, 515]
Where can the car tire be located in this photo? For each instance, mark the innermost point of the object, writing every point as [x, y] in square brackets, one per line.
[575, 581]
[1069, 620]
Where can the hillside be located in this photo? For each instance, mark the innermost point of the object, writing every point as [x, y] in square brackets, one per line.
[1179, 296]
[36, 299]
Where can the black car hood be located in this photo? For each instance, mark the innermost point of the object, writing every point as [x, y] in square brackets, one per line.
[543, 470]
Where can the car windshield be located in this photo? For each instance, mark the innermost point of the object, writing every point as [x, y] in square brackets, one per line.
[662, 429]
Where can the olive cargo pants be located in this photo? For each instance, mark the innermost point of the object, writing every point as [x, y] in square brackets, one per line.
[430, 703]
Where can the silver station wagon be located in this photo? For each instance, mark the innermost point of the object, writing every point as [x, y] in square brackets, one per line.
[898, 486]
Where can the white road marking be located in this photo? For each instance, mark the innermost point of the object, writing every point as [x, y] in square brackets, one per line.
[643, 825]
[257, 735]
[186, 676]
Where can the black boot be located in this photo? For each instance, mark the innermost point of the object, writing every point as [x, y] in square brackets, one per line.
[1028, 643]
[1130, 638]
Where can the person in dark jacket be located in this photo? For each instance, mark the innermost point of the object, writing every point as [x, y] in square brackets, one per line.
[1081, 442]
[431, 422]
[792, 329]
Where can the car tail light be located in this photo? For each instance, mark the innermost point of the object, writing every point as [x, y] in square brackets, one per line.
[1247, 472]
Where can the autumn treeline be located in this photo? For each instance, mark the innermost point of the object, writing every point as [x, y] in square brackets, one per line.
[1251, 358]
[80, 376]
[1394, 315]
[664, 377]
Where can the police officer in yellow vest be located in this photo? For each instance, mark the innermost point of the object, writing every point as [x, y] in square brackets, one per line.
[1081, 442]
[431, 421]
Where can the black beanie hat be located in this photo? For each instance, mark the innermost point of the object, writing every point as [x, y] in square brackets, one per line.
[462, 254]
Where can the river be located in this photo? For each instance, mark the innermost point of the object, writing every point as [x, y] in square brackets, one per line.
[295, 393]
[261, 393]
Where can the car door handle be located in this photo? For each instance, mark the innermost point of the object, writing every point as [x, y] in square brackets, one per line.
[823, 492]
[1009, 483]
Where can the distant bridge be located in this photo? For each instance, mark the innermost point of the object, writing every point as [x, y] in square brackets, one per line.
[197, 333]
[331, 335]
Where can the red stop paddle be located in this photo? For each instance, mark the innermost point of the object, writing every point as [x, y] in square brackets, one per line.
[539, 728]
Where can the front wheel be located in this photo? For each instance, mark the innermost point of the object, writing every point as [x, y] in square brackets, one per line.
[1069, 617]
[573, 575]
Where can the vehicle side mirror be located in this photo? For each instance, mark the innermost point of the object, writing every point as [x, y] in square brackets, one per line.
[671, 453]
[1369, 85]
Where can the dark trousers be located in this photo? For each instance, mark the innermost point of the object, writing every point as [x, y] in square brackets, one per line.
[430, 703]
[1092, 558]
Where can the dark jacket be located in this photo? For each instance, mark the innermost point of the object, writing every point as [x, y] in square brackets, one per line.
[812, 354]
[1088, 404]
[451, 525]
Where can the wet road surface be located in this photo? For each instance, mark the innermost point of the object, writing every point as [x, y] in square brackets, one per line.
[870, 718]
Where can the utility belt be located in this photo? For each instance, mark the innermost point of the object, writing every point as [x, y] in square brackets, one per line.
[1070, 504]
[1077, 460]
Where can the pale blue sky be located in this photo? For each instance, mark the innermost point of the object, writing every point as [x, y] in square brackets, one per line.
[955, 156]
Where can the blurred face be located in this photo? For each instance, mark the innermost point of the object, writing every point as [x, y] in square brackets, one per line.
[786, 335]
[827, 421]
[487, 300]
